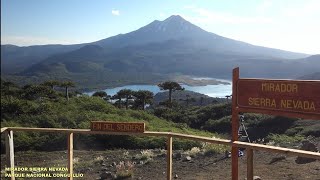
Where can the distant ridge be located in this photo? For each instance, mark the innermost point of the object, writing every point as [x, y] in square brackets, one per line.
[159, 49]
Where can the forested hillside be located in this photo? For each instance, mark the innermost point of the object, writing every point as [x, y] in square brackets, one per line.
[46, 105]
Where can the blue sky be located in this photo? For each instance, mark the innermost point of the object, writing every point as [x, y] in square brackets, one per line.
[287, 24]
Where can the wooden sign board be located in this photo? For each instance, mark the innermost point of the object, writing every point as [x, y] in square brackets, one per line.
[117, 126]
[279, 95]
[289, 98]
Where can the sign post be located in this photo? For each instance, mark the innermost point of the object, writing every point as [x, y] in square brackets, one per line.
[235, 124]
[290, 98]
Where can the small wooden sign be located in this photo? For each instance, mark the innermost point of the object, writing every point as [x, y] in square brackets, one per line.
[117, 126]
[279, 95]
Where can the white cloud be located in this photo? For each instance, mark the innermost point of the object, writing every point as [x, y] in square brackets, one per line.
[308, 9]
[270, 27]
[264, 6]
[299, 40]
[203, 15]
[115, 12]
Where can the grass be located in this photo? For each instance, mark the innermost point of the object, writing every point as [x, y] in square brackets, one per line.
[78, 112]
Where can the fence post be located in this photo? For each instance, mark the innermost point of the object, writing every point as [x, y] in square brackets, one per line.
[169, 157]
[249, 164]
[70, 155]
[10, 151]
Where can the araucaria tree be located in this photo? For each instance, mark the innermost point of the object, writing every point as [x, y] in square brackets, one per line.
[171, 86]
[100, 94]
[143, 97]
[67, 84]
[51, 83]
[117, 97]
[127, 94]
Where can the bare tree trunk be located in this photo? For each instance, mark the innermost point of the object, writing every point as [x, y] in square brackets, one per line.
[144, 103]
[119, 102]
[127, 102]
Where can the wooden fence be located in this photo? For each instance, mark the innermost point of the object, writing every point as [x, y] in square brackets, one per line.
[8, 131]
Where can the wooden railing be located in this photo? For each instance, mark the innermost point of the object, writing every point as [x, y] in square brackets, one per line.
[8, 131]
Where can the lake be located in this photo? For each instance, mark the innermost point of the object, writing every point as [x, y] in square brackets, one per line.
[219, 90]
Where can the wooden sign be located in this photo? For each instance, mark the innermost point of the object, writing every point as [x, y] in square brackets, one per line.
[279, 95]
[276, 97]
[117, 126]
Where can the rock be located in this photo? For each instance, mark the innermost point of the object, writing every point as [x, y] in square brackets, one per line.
[276, 159]
[304, 160]
[307, 146]
[106, 175]
[114, 164]
[141, 162]
[188, 158]
[103, 164]
[176, 176]
[177, 155]
[256, 178]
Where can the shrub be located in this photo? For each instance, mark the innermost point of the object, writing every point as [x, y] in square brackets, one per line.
[284, 140]
[124, 170]
[210, 149]
[220, 125]
[193, 151]
[145, 155]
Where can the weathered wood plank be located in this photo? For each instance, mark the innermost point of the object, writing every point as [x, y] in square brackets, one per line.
[200, 138]
[9, 151]
[146, 133]
[70, 155]
[182, 136]
[3, 129]
[249, 164]
[87, 131]
[287, 151]
[169, 158]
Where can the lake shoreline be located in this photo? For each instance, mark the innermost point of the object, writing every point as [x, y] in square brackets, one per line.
[192, 81]
[217, 90]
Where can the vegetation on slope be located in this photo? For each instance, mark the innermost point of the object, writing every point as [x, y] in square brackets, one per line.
[45, 106]
[50, 109]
